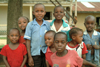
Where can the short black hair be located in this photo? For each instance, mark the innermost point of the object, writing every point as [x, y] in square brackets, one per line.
[15, 29]
[74, 31]
[38, 4]
[89, 17]
[24, 18]
[51, 31]
[58, 6]
[60, 33]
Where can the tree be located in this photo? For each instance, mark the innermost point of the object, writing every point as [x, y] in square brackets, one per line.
[14, 12]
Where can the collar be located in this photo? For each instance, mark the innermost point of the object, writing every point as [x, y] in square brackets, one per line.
[94, 33]
[35, 22]
[64, 23]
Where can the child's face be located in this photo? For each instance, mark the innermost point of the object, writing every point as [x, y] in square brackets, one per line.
[14, 36]
[49, 38]
[79, 37]
[39, 12]
[60, 42]
[22, 23]
[90, 24]
[59, 13]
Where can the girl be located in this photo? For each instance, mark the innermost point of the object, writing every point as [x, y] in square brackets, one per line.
[22, 23]
[58, 24]
[14, 54]
[64, 57]
[49, 38]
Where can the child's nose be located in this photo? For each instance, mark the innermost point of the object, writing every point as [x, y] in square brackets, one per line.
[59, 44]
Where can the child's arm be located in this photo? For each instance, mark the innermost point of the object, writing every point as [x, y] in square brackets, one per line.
[84, 56]
[47, 63]
[88, 63]
[5, 61]
[30, 59]
[96, 46]
[24, 60]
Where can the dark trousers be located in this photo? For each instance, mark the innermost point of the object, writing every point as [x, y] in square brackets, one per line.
[39, 60]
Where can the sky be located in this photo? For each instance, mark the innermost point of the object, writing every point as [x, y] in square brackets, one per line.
[88, 0]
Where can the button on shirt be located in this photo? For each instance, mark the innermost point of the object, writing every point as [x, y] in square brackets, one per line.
[95, 39]
[35, 33]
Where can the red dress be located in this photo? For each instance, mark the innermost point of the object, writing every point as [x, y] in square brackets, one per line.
[14, 57]
[48, 55]
[22, 40]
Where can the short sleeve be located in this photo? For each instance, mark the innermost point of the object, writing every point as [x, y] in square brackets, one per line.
[28, 31]
[24, 50]
[3, 51]
[84, 49]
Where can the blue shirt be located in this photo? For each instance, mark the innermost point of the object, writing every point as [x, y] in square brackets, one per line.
[35, 33]
[64, 28]
[95, 39]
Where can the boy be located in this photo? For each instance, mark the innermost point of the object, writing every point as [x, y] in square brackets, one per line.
[49, 39]
[91, 39]
[76, 44]
[34, 36]
[64, 57]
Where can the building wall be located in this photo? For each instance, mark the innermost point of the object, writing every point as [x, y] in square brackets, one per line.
[81, 18]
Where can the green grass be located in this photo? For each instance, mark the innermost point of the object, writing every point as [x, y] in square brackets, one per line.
[2, 45]
[3, 37]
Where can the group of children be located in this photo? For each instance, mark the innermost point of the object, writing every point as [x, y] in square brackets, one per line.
[53, 44]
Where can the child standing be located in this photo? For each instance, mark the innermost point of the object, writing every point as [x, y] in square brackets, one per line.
[22, 23]
[58, 24]
[64, 57]
[34, 36]
[14, 53]
[49, 38]
[76, 44]
[91, 39]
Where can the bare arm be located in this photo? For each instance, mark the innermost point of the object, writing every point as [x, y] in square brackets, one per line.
[88, 63]
[47, 63]
[5, 61]
[84, 56]
[96, 46]
[24, 61]
[30, 59]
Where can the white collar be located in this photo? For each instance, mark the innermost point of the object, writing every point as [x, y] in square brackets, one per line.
[94, 33]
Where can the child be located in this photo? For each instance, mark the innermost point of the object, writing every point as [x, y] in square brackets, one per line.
[76, 44]
[22, 23]
[14, 53]
[91, 38]
[58, 24]
[34, 36]
[49, 38]
[64, 57]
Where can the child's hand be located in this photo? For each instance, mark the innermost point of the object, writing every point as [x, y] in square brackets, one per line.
[31, 62]
[89, 47]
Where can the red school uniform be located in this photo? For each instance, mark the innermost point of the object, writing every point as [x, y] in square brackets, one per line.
[14, 57]
[48, 55]
[70, 59]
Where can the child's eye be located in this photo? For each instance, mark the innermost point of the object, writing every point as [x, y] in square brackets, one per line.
[24, 22]
[37, 11]
[11, 35]
[48, 38]
[42, 11]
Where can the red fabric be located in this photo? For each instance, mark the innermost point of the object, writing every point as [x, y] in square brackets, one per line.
[22, 40]
[48, 55]
[14, 57]
[84, 50]
[71, 58]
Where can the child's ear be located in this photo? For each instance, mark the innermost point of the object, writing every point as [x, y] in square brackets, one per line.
[84, 23]
[73, 37]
